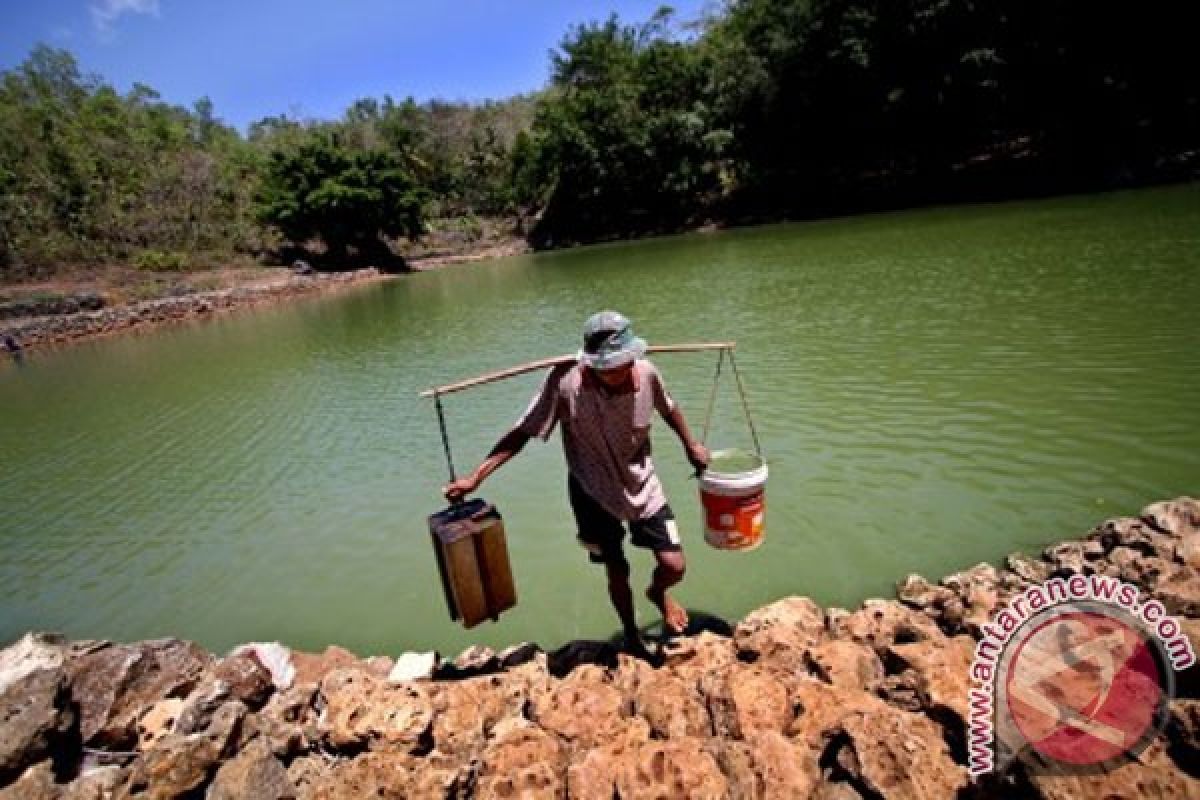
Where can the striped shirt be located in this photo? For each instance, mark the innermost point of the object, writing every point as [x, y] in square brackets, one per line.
[605, 434]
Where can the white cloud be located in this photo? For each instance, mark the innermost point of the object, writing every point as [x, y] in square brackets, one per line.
[105, 13]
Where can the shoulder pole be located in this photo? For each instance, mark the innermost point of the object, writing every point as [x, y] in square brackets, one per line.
[569, 358]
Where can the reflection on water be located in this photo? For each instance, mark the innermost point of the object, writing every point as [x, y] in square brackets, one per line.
[932, 388]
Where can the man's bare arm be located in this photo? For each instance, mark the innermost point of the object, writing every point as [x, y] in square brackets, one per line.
[697, 454]
[509, 445]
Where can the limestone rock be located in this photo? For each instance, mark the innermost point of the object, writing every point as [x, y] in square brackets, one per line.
[745, 699]
[1187, 552]
[894, 754]
[30, 653]
[983, 603]
[248, 680]
[255, 774]
[820, 709]
[534, 675]
[1175, 517]
[36, 721]
[1183, 735]
[311, 668]
[386, 776]
[1135, 566]
[1133, 533]
[1029, 570]
[981, 590]
[920, 594]
[203, 706]
[360, 710]
[100, 783]
[845, 663]
[413, 667]
[275, 658]
[943, 681]
[982, 574]
[880, 623]
[769, 766]
[184, 760]
[583, 708]
[692, 657]
[1179, 591]
[630, 673]
[525, 762]
[114, 684]
[673, 706]
[780, 633]
[835, 790]
[379, 666]
[1151, 775]
[158, 721]
[1073, 558]
[36, 783]
[307, 772]
[476, 660]
[465, 712]
[675, 768]
[288, 722]
[902, 690]
[954, 616]
[1187, 682]
[593, 773]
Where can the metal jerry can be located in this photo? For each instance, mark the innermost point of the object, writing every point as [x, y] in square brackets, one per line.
[472, 558]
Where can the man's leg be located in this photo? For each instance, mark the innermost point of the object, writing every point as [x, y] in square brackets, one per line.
[601, 533]
[670, 570]
[621, 594]
[659, 533]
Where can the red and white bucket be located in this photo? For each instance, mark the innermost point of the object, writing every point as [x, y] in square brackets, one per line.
[734, 501]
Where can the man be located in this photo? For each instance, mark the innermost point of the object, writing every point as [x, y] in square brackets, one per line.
[605, 404]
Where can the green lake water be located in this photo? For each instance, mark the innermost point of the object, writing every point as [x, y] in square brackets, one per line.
[932, 388]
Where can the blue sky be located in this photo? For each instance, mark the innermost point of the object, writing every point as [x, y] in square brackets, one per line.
[257, 58]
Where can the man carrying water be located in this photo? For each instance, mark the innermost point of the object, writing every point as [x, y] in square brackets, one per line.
[605, 404]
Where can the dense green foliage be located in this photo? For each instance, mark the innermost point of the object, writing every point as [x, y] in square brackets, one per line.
[769, 108]
[622, 142]
[802, 107]
[90, 175]
[346, 198]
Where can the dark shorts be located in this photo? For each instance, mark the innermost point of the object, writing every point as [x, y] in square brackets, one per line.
[601, 533]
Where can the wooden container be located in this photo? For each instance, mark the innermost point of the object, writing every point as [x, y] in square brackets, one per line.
[472, 558]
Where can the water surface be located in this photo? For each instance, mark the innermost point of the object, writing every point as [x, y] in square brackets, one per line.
[933, 388]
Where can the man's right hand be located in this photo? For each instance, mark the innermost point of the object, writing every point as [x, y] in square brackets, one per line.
[455, 491]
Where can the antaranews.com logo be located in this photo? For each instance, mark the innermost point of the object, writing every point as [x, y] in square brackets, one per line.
[1074, 674]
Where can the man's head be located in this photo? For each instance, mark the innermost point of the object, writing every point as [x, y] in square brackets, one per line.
[609, 346]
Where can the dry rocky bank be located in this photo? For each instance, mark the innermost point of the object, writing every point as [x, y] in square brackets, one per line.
[55, 329]
[799, 701]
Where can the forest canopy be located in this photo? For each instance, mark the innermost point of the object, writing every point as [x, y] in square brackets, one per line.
[767, 109]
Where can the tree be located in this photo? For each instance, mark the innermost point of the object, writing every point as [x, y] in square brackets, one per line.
[347, 198]
[621, 143]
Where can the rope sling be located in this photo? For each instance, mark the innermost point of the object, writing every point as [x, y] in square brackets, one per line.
[712, 400]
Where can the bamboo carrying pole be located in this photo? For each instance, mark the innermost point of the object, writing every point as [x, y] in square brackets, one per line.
[532, 366]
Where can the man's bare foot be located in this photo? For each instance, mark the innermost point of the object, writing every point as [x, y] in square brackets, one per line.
[636, 646]
[675, 616]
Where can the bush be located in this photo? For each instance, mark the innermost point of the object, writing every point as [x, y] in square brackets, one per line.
[160, 261]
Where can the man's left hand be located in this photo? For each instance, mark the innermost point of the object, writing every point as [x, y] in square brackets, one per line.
[699, 456]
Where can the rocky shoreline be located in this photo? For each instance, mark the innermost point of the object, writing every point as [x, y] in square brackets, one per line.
[56, 329]
[798, 701]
